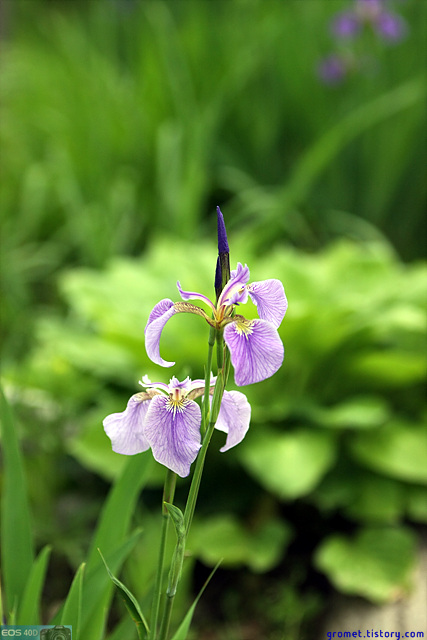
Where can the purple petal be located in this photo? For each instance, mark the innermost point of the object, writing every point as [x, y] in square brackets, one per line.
[270, 299]
[234, 417]
[193, 295]
[173, 432]
[235, 291]
[255, 348]
[125, 429]
[391, 26]
[161, 313]
[345, 25]
[332, 69]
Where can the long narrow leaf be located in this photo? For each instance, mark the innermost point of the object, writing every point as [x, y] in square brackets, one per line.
[184, 627]
[72, 611]
[98, 590]
[130, 601]
[119, 508]
[17, 553]
[29, 610]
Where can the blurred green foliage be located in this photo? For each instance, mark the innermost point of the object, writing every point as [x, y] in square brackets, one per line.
[122, 125]
[341, 426]
[123, 120]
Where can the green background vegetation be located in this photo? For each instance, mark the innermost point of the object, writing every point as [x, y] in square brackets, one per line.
[122, 126]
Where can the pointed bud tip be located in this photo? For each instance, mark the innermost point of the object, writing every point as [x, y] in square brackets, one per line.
[222, 234]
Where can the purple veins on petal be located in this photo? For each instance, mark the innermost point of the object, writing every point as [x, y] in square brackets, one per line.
[162, 312]
[173, 431]
[125, 429]
[234, 418]
[270, 300]
[256, 350]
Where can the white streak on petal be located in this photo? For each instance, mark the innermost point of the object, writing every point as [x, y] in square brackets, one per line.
[270, 299]
[162, 312]
[256, 350]
[125, 429]
[234, 417]
[174, 433]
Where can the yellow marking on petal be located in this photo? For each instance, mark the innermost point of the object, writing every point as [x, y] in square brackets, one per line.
[243, 326]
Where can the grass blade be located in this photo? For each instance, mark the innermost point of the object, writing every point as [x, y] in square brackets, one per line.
[119, 508]
[17, 555]
[29, 610]
[72, 611]
[184, 627]
[130, 601]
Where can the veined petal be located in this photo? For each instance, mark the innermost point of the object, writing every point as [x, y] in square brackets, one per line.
[193, 295]
[256, 349]
[173, 431]
[125, 429]
[161, 313]
[270, 300]
[234, 417]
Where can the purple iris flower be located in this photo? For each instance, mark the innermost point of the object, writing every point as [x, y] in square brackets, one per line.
[389, 26]
[256, 349]
[166, 419]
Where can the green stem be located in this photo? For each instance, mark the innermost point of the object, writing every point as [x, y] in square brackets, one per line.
[208, 370]
[168, 495]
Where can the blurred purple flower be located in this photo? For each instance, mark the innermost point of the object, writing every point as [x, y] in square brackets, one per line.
[332, 69]
[389, 26]
[255, 347]
[166, 419]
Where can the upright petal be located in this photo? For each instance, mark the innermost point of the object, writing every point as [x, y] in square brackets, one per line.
[235, 291]
[270, 299]
[173, 432]
[234, 417]
[125, 429]
[161, 313]
[255, 348]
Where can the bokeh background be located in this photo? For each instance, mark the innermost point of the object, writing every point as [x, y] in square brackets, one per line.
[123, 124]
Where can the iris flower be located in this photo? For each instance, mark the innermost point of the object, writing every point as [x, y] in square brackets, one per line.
[166, 419]
[256, 349]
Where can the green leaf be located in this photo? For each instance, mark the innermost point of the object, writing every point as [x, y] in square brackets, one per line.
[184, 627]
[130, 601]
[98, 589]
[223, 538]
[376, 564]
[289, 464]
[399, 449]
[29, 610]
[17, 555]
[119, 507]
[72, 610]
[356, 413]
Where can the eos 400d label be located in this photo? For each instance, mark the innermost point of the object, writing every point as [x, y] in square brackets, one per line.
[36, 632]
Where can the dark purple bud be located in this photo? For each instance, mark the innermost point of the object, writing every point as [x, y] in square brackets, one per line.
[222, 234]
[222, 272]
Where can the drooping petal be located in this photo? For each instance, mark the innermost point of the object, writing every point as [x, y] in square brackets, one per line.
[173, 431]
[270, 299]
[162, 312]
[125, 429]
[256, 349]
[234, 417]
